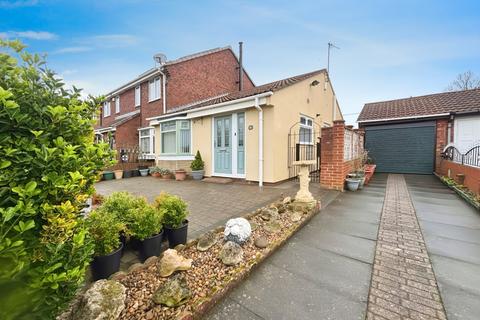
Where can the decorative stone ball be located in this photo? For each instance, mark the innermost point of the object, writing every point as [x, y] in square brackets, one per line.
[237, 230]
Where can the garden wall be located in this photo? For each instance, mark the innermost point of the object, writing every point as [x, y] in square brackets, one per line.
[451, 169]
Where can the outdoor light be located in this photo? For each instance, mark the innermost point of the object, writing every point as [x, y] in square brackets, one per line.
[314, 83]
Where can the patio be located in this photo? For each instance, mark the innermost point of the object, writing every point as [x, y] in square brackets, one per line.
[210, 204]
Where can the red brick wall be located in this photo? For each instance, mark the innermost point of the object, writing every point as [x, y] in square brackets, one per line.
[472, 174]
[126, 135]
[187, 81]
[332, 164]
[441, 141]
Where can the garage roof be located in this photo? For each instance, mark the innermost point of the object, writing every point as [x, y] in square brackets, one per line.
[422, 106]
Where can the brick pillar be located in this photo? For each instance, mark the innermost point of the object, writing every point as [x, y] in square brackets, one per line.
[440, 143]
[332, 164]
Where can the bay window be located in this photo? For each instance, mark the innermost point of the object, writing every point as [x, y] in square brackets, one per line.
[154, 89]
[306, 130]
[176, 137]
[147, 140]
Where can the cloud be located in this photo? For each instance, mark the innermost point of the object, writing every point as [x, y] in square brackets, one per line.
[18, 4]
[33, 35]
[110, 40]
[76, 49]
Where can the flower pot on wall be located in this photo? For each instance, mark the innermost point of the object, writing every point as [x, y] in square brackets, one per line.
[118, 174]
[177, 236]
[151, 246]
[108, 175]
[197, 174]
[143, 172]
[180, 174]
[104, 266]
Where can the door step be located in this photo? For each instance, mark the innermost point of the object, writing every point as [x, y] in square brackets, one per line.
[218, 180]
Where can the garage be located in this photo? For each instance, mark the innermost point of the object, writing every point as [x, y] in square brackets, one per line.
[402, 148]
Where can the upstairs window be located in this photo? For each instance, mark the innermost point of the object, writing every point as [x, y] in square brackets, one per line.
[106, 109]
[147, 140]
[306, 130]
[117, 104]
[154, 89]
[176, 137]
[137, 96]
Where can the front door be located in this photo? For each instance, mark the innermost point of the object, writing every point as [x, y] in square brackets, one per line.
[223, 145]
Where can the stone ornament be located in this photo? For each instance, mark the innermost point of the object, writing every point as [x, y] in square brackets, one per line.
[304, 195]
[171, 261]
[207, 241]
[173, 293]
[237, 230]
[231, 253]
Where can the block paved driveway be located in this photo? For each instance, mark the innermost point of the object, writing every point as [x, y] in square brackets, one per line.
[405, 247]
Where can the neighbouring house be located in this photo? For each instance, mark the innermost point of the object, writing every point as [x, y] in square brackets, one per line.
[413, 135]
[246, 134]
[123, 119]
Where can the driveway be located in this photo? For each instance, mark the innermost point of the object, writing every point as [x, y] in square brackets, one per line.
[451, 229]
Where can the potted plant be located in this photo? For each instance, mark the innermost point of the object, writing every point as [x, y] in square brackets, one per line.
[165, 173]
[127, 174]
[108, 175]
[143, 172]
[174, 218]
[197, 167]
[104, 227]
[145, 223]
[118, 173]
[359, 175]
[352, 183]
[180, 174]
[155, 171]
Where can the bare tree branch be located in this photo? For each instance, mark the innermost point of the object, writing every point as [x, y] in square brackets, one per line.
[464, 81]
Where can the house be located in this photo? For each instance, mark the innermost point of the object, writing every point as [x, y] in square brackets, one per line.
[245, 134]
[410, 135]
[123, 119]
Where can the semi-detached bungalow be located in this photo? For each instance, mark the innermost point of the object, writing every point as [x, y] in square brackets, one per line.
[244, 134]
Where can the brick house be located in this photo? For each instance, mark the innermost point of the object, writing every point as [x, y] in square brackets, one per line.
[411, 135]
[123, 118]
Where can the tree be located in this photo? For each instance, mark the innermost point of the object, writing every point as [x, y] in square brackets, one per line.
[48, 165]
[464, 81]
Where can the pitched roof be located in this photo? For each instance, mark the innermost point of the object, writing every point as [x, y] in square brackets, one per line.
[272, 86]
[422, 106]
[119, 120]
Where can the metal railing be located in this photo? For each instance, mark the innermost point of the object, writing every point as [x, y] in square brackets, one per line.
[469, 158]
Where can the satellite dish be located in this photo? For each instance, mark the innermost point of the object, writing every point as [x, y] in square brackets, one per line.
[160, 58]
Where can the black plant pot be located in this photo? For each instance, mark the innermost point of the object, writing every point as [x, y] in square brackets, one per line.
[127, 174]
[104, 266]
[123, 240]
[177, 236]
[135, 173]
[151, 246]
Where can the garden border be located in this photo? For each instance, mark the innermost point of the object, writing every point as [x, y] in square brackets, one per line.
[461, 193]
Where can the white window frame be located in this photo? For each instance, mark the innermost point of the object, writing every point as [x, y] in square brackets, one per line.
[117, 104]
[150, 137]
[177, 130]
[307, 127]
[106, 109]
[138, 96]
[154, 92]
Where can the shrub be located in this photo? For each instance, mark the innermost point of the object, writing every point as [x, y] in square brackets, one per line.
[143, 220]
[164, 171]
[118, 203]
[104, 227]
[48, 165]
[197, 163]
[174, 209]
[155, 169]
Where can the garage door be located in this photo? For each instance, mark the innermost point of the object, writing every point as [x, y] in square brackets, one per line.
[402, 148]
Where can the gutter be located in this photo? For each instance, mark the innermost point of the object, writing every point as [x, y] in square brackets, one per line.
[130, 84]
[213, 106]
[260, 142]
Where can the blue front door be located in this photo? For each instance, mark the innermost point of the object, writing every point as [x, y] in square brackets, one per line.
[223, 144]
[240, 143]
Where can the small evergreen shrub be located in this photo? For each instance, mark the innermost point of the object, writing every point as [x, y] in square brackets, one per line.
[105, 228]
[174, 209]
[143, 220]
[197, 163]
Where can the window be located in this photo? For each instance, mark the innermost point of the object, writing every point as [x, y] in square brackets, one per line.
[154, 89]
[117, 104]
[147, 141]
[106, 109]
[176, 137]
[306, 130]
[137, 96]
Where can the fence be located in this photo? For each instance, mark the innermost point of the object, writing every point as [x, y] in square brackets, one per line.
[469, 158]
[353, 145]
[129, 157]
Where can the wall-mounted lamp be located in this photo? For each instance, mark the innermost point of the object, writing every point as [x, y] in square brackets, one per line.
[315, 83]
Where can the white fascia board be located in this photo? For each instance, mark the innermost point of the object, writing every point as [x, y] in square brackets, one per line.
[144, 128]
[131, 84]
[225, 109]
[212, 108]
[103, 130]
[406, 118]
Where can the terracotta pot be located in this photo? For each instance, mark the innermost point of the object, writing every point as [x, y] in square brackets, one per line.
[118, 174]
[156, 174]
[180, 175]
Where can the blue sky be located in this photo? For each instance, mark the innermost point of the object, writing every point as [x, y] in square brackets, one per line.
[389, 49]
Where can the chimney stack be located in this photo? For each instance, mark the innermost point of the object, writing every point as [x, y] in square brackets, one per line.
[240, 69]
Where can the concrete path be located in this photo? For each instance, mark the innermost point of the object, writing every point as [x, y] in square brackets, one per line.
[451, 229]
[323, 272]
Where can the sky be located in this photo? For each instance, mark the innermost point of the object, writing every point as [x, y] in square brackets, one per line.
[388, 49]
